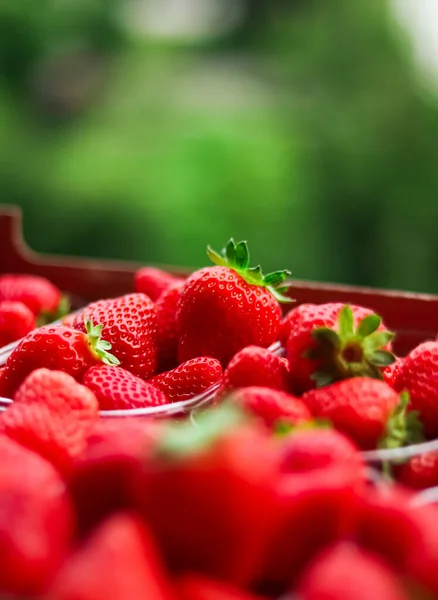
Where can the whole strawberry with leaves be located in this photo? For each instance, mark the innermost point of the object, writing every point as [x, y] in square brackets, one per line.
[229, 306]
[331, 342]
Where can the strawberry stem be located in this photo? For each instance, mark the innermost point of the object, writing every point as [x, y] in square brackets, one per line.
[98, 346]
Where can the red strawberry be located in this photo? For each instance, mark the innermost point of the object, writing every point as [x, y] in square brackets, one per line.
[37, 293]
[166, 307]
[344, 572]
[419, 376]
[153, 282]
[365, 409]
[420, 471]
[51, 415]
[224, 308]
[58, 348]
[118, 562]
[189, 379]
[16, 321]
[207, 494]
[130, 326]
[197, 587]
[272, 406]
[319, 313]
[391, 373]
[118, 389]
[36, 521]
[255, 366]
[332, 342]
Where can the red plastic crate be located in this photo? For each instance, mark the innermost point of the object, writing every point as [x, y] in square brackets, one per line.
[413, 316]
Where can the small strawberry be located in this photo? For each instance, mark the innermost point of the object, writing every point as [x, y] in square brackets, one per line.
[167, 342]
[197, 587]
[130, 326]
[391, 373]
[58, 348]
[344, 572]
[367, 410]
[419, 376]
[153, 282]
[117, 389]
[255, 366]
[272, 406]
[51, 415]
[333, 342]
[224, 308]
[16, 321]
[189, 379]
[420, 472]
[37, 293]
[118, 562]
[36, 521]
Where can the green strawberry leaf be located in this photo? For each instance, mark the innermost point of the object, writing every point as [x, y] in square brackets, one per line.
[381, 358]
[368, 325]
[98, 346]
[346, 321]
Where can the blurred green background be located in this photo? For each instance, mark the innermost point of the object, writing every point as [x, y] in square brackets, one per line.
[145, 129]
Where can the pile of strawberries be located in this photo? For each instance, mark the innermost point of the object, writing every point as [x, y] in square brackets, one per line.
[262, 493]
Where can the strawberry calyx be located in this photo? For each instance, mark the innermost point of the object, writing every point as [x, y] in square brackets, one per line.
[351, 351]
[98, 346]
[236, 257]
[283, 428]
[403, 426]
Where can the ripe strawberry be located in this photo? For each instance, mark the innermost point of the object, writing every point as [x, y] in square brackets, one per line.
[16, 321]
[207, 492]
[189, 379]
[166, 307]
[319, 313]
[117, 389]
[255, 366]
[197, 587]
[51, 415]
[272, 406]
[391, 373]
[37, 293]
[344, 572]
[153, 282]
[224, 308]
[420, 471]
[332, 342]
[419, 376]
[58, 348]
[367, 410]
[118, 562]
[36, 521]
[130, 326]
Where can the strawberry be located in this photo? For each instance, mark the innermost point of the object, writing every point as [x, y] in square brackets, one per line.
[189, 379]
[16, 321]
[332, 342]
[419, 376]
[420, 471]
[51, 415]
[118, 562]
[344, 571]
[36, 521]
[391, 373]
[224, 308]
[118, 389]
[55, 347]
[37, 293]
[319, 313]
[153, 282]
[166, 307]
[272, 406]
[197, 587]
[255, 366]
[367, 410]
[130, 326]
[207, 492]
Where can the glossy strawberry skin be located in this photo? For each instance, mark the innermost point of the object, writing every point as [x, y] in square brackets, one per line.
[255, 366]
[36, 521]
[189, 379]
[51, 415]
[219, 313]
[52, 347]
[166, 307]
[272, 406]
[153, 282]
[293, 318]
[130, 325]
[419, 376]
[118, 389]
[16, 321]
[197, 587]
[118, 561]
[420, 472]
[391, 373]
[37, 293]
[359, 407]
